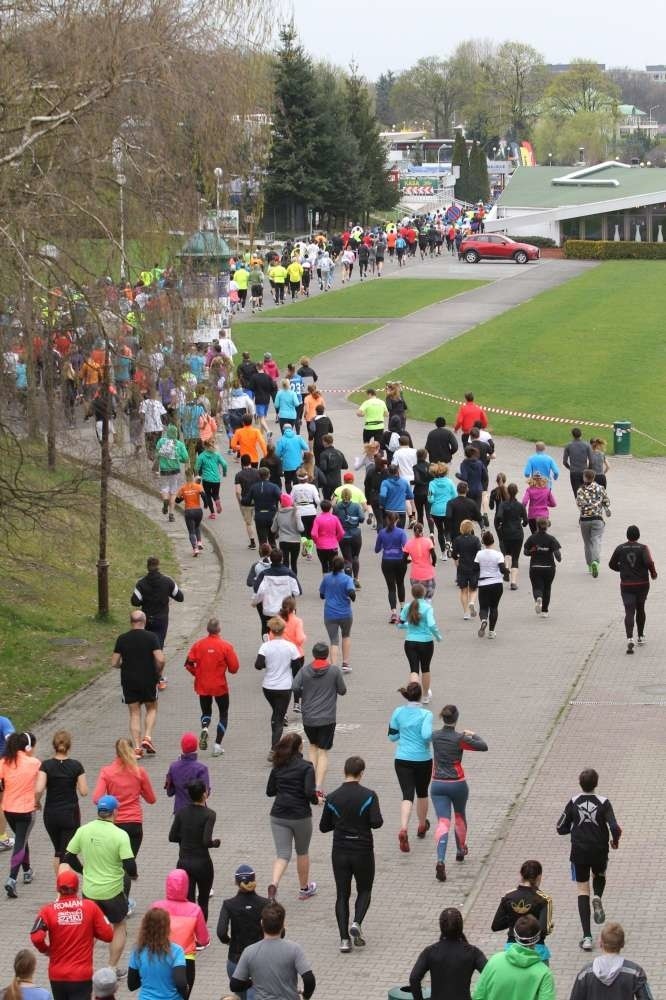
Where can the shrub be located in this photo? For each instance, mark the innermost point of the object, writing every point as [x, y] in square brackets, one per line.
[536, 241]
[613, 250]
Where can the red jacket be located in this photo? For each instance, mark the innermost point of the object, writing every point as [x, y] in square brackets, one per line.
[468, 414]
[208, 660]
[66, 931]
[129, 786]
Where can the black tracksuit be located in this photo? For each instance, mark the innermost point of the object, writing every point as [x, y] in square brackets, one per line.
[192, 830]
[239, 923]
[451, 965]
[152, 594]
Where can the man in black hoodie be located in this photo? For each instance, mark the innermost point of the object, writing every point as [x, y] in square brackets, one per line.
[352, 812]
[152, 594]
[441, 444]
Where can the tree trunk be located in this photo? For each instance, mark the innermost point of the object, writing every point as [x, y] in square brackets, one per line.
[105, 472]
[49, 390]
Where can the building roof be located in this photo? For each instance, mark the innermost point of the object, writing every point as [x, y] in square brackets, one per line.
[652, 69]
[205, 244]
[628, 110]
[532, 187]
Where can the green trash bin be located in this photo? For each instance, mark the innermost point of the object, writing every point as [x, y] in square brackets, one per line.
[404, 993]
[622, 437]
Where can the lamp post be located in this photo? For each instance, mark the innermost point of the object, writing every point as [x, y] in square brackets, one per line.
[219, 173]
[50, 252]
[550, 159]
[117, 152]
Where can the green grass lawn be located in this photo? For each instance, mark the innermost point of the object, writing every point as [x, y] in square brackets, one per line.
[50, 592]
[592, 349]
[290, 341]
[389, 297]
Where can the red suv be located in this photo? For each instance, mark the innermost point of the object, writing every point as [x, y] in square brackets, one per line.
[491, 246]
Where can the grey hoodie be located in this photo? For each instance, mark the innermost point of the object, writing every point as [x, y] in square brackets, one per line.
[319, 687]
[611, 977]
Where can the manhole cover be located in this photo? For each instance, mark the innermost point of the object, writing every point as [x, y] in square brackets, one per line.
[655, 689]
[69, 641]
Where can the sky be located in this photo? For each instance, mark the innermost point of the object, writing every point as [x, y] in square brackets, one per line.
[393, 34]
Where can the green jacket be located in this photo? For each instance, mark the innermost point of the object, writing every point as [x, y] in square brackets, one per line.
[170, 451]
[515, 974]
[208, 465]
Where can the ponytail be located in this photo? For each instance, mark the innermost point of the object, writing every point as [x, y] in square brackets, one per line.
[125, 754]
[414, 611]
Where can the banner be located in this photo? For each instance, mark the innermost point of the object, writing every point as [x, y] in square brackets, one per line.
[418, 187]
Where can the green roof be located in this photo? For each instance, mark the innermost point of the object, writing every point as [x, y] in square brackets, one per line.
[628, 110]
[531, 187]
[205, 243]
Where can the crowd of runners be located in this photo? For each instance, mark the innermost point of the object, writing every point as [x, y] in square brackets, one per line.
[416, 512]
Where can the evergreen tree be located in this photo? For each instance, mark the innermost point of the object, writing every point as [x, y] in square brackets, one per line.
[374, 189]
[383, 88]
[481, 179]
[460, 158]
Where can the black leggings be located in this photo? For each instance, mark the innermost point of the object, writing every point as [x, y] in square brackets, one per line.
[351, 549]
[413, 778]
[419, 655]
[308, 521]
[80, 989]
[440, 524]
[513, 547]
[135, 833]
[211, 494]
[206, 704]
[20, 824]
[348, 865]
[279, 702]
[290, 554]
[423, 511]
[489, 598]
[61, 825]
[326, 557]
[634, 607]
[201, 874]
[541, 578]
[193, 519]
[394, 573]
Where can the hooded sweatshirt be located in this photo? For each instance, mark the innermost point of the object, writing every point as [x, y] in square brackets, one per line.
[290, 448]
[319, 683]
[181, 773]
[515, 974]
[188, 926]
[239, 923]
[611, 977]
[170, 451]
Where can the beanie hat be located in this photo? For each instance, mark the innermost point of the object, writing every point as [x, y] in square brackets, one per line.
[105, 982]
[246, 878]
[286, 500]
[189, 743]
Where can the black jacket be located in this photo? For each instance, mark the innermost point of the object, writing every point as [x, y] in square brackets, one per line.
[239, 923]
[352, 812]
[293, 788]
[624, 983]
[519, 903]
[461, 509]
[331, 462]
[441, 445]
[451, 965]
[192, 830]
[153, 592]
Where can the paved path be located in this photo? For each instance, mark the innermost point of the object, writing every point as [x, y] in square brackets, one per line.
[514, 691]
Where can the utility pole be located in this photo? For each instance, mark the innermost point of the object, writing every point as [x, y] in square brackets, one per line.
[105, 474]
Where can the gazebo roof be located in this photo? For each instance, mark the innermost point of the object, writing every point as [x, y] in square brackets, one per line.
[205, 243]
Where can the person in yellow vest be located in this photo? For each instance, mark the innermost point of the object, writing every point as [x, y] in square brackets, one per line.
[295, 273]
[278, 276]
[242, 278]
[147, 278]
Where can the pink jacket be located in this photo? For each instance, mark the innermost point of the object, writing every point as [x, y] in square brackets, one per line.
[327, 531]
[188, 926]
[129, 786]
[537, 500]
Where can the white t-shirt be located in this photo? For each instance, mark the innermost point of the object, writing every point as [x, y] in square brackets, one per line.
[405, 459]
[152, 411]
[306, 498]
[278, 654]
[489, 561]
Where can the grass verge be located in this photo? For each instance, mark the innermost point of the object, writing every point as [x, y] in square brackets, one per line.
[389, 297]
[581, 350]
[49, 594]
[289, 341]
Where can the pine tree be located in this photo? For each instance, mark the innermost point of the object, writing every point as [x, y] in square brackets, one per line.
[383, 88]
[374, 189]
[481, 175]
[460, 158]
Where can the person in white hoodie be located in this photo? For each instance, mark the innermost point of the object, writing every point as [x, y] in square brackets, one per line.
[609, 976]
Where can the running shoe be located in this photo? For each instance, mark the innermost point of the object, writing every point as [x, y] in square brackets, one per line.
[403, 841]
[6, 843]
[212, 516]
[321, 796]
[346, 669]
[200, 546]
[357, 584]
[162, 684]
[462, 854]
[440, 871]
[630, 646]
[203, 739]
[271, 892]
[514, 586]
[10, 888]
[28, 876]
[202, 947]
[252, 544]
[472, 609]
[545, 614]
[492, 633]
[357, 935]
[131, 908]
[165, 507]
[422, 830]
[466, 618]
[195, 552]
[482, 628]
[537, 605]
[598, 910]
[147, 746]
[426, 699]
[586, 943]
[297, 708]
[218, 506]
[218, 751]
[345, 946]
[594, 569]
[172, 517]
[641, 642]
[309, 890]
[393, 618]
[138, 753]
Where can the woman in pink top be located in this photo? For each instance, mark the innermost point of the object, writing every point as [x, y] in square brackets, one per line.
[18, 773]
[423, 557]
[327, 533]
[293, 632]
[537, 499]
[188, 924]
[129, 783]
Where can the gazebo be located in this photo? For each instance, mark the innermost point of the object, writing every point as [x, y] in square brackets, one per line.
[205, 253]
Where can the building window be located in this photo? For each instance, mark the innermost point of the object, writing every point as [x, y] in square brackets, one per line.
[658, 220]
[637, 222]
[594, 227]
[615, 223]
[570, 229]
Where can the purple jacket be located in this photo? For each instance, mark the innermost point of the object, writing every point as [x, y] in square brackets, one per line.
[180, 774]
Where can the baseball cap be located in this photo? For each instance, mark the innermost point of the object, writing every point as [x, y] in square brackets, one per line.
[188, 743]
[67, 882]
[245, 873]
[348, 477]
[105, 982]
[107, 804]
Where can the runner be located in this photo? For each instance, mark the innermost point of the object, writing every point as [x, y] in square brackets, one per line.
[423, 559]
[351, 516]
[187, 924]
[449, 789]
[278, 658]
[511, 518]
[208, 465]
[190, 495]
[239, 922]
[464, 550]
[18, 780]
[292, 784]
[451, 961]
[352, 812]
[257, 289]
[306, 499]
[184, 771]
[611, 976]
[326, 533]
[492, 573]
[440, 491]
[410, 727]
[459, 509]
[290, 449]
[319, 685]
[518, 971]
[264, 497]
[209, 660]
[287, 527]
[171, 454]
[633, 561]
[544, 550]
[577, 457]
[589, 817]
[374, 412]
[63, 780]
[138, 656]
[275, 963]
[395, 496]
[418, 620]
[244, 480]
[528, 898]
[192, 829]
[391, 541]
[593, 503]
[273, 584]
[157, 965]
[287, 402]
[152, 594]
[338, 593]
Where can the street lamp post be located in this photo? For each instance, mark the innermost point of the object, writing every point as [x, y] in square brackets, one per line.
[550, 159]
[219, 173]
[439, 171]
[121, 180]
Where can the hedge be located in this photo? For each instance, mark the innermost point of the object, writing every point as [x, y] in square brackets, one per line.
[613, 250]
[535, 241]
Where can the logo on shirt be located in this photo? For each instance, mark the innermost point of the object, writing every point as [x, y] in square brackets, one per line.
[69, 917]
[587, 813]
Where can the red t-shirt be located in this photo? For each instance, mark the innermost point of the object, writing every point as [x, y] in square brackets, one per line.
[66, 931]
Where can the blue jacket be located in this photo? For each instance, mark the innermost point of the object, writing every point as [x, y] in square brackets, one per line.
[440, 491]
[411, 728]
[289, 449]
[426, 629]
[543, 463]
[391, 543]
[393, 494]
[286, 401]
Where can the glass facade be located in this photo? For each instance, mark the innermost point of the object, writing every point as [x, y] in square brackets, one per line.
[603, 227]
[594, 227]
[615, 219]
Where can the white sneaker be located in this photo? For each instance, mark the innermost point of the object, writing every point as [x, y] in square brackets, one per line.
[641, 640]
[586, 944]
[537, 605]
[466, 618]
[491, 634]
[472, 609]
[217, 750]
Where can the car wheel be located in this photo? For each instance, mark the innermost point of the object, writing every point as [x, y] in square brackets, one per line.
[472, 257]
[520, 257]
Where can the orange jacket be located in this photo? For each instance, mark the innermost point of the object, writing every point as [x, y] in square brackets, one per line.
[249, 441]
